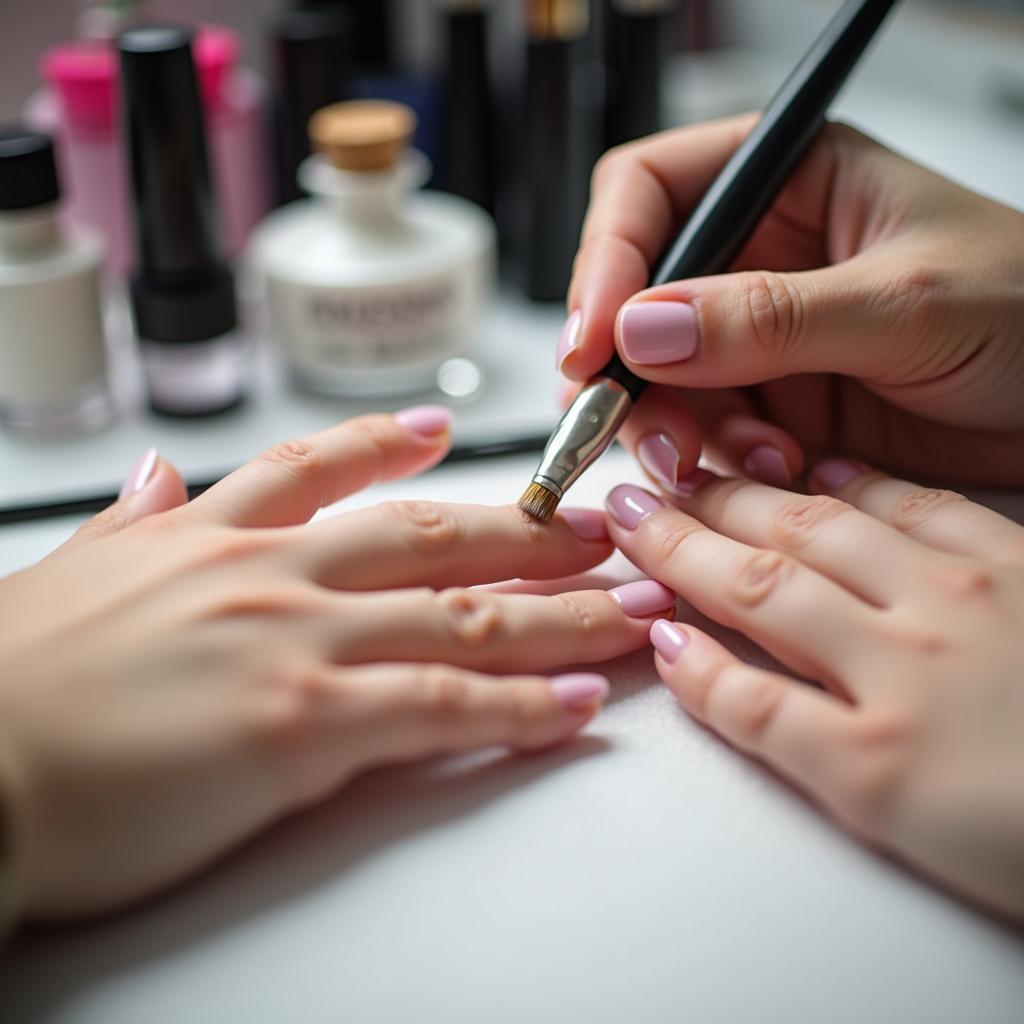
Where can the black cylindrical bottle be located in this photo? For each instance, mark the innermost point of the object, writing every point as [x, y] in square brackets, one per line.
[313, 53]
[183, 293]
[468, 155]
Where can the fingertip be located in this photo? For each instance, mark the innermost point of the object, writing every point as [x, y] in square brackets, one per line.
[426, 422]
[580, 692]
[161, 489]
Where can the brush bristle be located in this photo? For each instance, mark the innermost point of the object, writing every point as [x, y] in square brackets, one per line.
[537, 501]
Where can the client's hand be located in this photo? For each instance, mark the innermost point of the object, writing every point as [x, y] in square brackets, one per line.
[175, 680]
[877, 311]
[908, 606]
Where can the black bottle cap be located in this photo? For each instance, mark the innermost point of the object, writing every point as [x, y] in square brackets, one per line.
[183, 291]
[372, 23]
[28, 174]
[313, 57]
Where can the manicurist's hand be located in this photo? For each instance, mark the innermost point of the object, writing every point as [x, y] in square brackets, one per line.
[907, 605]
[877, 311]
[177, 676]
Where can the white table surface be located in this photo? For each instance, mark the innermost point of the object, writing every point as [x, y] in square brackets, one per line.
[643, 873]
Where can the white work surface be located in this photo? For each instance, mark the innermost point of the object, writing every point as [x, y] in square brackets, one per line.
[644, 872]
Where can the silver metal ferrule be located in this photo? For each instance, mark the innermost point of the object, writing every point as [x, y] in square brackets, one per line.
[588, 427]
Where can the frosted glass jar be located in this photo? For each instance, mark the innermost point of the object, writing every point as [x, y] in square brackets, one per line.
[371, 284]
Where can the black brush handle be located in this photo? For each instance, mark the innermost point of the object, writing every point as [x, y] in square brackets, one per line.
[744, 189]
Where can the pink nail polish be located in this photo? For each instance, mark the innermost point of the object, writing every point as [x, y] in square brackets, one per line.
[766, 464]
[668, 639]
[655, 333]
[139, 475]
[691, 484]
[569, 339]
[587, 523]
[835, 474]
[643, 598]
[425, 420]
[660, 457]
[628, 505]
[580, 691]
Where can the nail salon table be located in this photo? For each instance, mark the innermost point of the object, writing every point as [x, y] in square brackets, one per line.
[644, 872]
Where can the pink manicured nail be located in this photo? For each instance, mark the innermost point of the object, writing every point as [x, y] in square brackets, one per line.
[835, 474]
[139, 475]
[654, 333]
[643, 598]
[660, 457]
[586, 523]
[668, 639]
[628, 505]
[691, 484]
[569, 339]
[580, 691]
[766, 464]
[425, 420]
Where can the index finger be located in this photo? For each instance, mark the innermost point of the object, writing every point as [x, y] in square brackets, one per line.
[639, 195]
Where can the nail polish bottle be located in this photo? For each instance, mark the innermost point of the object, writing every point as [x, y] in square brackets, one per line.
[183, 294]
[636, 45]
[372, 284]
[53, 359]
[556, 143]
[313, 52]
[78, 107]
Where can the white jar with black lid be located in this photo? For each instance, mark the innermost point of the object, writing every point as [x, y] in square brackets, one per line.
[53, 357]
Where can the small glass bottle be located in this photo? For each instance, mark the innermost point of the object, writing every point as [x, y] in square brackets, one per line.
[372, 284]
[53, 357]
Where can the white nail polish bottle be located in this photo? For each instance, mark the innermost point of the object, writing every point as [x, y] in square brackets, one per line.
[53, 358]
[372, 284]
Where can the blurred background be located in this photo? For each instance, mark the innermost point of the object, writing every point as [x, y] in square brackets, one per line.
[515, 102]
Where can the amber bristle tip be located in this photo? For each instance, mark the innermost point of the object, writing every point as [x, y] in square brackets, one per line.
[538, 502]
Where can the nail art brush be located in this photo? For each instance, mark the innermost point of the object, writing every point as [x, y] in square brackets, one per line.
[713, 236]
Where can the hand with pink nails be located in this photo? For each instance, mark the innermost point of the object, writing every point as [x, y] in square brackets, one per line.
[179, 675]
[905, 606]
[877, 311]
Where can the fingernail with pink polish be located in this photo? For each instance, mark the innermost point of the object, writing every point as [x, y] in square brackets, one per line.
[835, 474]
[668, 639]
[628, 505]
[425, 420]
[659, 455]
[766, 464]
[139, 475]
[643, 598]
[655, 333]
[693, 482]
[587, 523]
[569, 339]
[580, 691]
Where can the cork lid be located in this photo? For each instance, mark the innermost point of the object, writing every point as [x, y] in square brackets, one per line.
[362, 135]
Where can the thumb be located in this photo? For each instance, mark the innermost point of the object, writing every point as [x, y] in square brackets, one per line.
[861, 318]
[151, 486]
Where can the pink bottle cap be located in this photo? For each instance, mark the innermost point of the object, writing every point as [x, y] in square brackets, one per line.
[84, 75]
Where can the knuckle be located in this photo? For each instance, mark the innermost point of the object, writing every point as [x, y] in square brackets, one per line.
[759, 577]
[968, 581]
[669, 542]
[219, 547]
[297, 457]
[429, 527]
[609, 164]
[802, 520]
[914, 510]
[774, 312]
[868, 782]
[755, 701]
[263, 601]
[443, 691]
[293, 696]
[472, 618]
[911, 296]
[580, 614]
